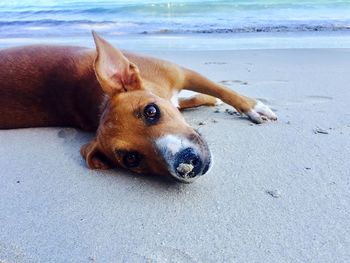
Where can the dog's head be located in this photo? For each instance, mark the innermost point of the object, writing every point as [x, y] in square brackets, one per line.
[138, 130]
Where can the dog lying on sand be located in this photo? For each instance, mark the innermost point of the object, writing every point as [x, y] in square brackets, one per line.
[129, 100]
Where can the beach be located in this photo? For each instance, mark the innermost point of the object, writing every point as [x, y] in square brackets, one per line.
[277, 192]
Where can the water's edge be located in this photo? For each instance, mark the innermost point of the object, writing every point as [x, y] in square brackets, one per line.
[199, 42]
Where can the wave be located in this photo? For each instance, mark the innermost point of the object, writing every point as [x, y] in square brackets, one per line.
[257, 29]
[176, 28]
[173, 8]
[29, 18]
[53, 22]
[168, 6]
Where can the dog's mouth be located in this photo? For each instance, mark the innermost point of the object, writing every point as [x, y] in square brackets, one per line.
[185, 159]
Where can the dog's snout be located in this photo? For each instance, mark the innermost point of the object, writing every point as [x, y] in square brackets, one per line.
[188, 164]
[187, 158]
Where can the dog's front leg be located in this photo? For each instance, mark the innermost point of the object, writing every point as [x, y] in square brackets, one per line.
[254, 109]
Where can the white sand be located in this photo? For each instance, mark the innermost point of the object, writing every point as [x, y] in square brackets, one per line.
[278, 192]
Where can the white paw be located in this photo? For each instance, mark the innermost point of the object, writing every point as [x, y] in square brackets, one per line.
[218, 102]
[261, 113]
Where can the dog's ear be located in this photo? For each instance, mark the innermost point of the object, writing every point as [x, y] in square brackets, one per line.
[113, 70]
[94, 157]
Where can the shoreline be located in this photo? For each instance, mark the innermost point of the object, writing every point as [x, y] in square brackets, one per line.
[178, 42]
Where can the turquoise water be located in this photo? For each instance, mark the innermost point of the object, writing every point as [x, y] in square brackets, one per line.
[29, 20]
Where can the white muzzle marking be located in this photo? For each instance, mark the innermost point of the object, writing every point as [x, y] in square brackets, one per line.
[169, 146]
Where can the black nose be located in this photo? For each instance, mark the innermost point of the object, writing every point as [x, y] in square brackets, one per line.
[187, 163]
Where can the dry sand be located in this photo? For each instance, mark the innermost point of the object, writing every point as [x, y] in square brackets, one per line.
[278, 192]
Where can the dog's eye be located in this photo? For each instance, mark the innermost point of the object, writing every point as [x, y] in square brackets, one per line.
[151, 113]
[132, 159]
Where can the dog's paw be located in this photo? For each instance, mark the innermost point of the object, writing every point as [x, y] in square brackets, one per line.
[261, 113]
[218, 102]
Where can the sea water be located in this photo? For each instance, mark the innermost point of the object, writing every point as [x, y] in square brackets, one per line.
[179, 24]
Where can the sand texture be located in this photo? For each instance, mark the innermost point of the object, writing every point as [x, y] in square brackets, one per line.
[278, 192]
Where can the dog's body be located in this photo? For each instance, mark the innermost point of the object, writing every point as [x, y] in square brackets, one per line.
[57, 86]
[73, 86]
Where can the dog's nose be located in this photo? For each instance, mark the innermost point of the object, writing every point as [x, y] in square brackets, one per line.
[188, 164]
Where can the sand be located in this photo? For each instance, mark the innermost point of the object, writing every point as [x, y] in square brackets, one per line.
[278, 192]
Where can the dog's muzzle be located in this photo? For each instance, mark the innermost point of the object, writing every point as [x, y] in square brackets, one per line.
[186, 157]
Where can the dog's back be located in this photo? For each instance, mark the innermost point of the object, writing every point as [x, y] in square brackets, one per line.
[47, 86]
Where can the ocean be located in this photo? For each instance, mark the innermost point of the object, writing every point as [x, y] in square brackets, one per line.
[160, 24]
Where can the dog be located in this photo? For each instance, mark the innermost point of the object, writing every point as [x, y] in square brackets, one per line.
[129, 100]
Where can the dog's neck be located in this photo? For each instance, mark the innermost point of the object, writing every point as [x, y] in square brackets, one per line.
[92, 100]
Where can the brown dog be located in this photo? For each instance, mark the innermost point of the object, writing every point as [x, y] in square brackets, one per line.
[130, 100]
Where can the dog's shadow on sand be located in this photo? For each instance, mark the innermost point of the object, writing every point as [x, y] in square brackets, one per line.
[73, 139]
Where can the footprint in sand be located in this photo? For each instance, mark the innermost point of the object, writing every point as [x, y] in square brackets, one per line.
[317, 99]
[274, 81]
[232, 82]
[215, 63]
[313, 99]
[278, 82]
